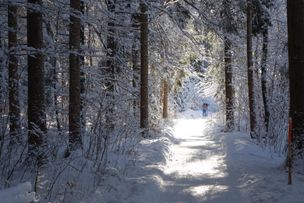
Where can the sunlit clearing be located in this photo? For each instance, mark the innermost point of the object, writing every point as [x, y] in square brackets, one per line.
[192, 155]
[185, 128]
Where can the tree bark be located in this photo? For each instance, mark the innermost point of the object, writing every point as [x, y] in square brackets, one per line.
[13, 78]
[75, 141]
[1, 80]
[135, 70]
[82, 73]
[295, 10]
[228, 85]
[264, 77]
[165, 99]
[36, 98]
[135, 64]
[144, 94]
[251, 95]
[111, 65]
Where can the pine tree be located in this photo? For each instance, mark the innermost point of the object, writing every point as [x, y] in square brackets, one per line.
[135, 62]
[82, 72]
[75, 141]
[228, 84]
[14, 106]
[265, 35]
[36, 98]
[228, 29]
[144, 94]
[251, 95]
[165, 98]
[295, 10]
[111, 65]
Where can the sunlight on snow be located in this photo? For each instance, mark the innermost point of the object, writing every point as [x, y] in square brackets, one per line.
[188, 128]
[193, 156]
[187, 159]
[205, 191]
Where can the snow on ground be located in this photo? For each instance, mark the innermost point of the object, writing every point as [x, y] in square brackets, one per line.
[21, 193]
[195, 162]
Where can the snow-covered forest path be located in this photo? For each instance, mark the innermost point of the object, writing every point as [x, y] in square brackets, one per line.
[197, 170]
[199, 163]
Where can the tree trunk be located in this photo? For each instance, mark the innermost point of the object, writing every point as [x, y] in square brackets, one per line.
[135, 70]
[74, 89]
[165, 98]
[229, 86]
[1, 79]
[264, 77]
[82, 73]
[251, 96]
[111, 65]
[36, 100]
[135, 64]
[295, 10]
[13, 78]
[2, 103]
[144, 94]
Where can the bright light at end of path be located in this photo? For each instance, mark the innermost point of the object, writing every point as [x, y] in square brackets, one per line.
[184, 128]
[196, 156]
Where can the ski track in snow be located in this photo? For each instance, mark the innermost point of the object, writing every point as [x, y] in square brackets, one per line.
[198, 163]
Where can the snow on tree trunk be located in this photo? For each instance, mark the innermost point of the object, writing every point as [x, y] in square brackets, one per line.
[228, 85]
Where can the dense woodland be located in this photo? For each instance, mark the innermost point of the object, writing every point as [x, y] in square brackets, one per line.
[83, 81]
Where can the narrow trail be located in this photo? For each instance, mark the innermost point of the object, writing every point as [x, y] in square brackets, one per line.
[198, 163]
[197, 170]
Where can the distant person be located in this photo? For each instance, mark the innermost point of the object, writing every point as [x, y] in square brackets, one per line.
[205, 109]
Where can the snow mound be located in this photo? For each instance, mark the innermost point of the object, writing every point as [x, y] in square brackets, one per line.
[21, 193]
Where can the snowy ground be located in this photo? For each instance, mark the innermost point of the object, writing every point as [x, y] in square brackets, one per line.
[21, 193]
[198, 163]
[194, 162]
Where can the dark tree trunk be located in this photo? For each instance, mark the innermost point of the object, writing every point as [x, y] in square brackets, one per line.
[75, 141]
[1, 79]
[251, 95]
[165, 98]
[82, 73]
[14, 107]
[228, 85]
[2, 103]
[36, 100]
[144, 94]
[111, 66]
[295, 10]
[264, 76]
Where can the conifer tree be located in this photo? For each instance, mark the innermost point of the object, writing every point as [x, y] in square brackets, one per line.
[144, 94]
[75, 141]
[250, 72]
[295, 10]
[13, 78]
[36, 95]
